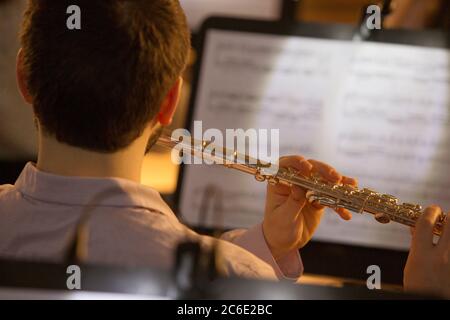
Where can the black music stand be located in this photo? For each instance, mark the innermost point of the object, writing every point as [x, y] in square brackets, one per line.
[32, 280]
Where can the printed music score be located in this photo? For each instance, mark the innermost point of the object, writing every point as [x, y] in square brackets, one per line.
[378, 112]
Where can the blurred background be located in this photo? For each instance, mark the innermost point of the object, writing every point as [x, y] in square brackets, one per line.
[17, 132]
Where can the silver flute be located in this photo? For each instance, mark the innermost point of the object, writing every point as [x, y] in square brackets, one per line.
[383, 207]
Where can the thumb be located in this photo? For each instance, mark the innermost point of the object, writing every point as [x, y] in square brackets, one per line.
[294, 203]
[423, 233]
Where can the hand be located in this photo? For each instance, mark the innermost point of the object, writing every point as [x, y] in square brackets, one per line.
[427, 270]
[290, 220]
[414, 14]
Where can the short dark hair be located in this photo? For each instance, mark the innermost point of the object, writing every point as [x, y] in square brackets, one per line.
[97, 88]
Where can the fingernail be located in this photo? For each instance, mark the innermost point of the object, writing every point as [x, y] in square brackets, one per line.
[307, 166]
[433, 209]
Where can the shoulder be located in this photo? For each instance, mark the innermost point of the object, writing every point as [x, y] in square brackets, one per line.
[5, 188]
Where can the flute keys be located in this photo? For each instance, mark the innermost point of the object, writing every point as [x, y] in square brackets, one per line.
[414, 207]
[259, 177]
[389, 199]
[273, 180]
[368, 192]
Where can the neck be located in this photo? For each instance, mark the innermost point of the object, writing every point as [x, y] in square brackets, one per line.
[61, 159]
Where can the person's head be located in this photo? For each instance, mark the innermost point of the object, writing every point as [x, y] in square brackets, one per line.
[100, 87]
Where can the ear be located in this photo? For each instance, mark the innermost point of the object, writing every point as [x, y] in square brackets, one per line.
[170, 103]
[22, 78]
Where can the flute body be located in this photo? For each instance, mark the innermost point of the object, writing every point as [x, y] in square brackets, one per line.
[385, 208]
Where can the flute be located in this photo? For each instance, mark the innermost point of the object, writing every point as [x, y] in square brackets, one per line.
[385, 208]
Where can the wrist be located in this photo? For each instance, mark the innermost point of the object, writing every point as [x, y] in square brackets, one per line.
[278, 251]
[278, 254]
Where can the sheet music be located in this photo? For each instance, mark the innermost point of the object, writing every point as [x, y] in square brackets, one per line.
[379, 112]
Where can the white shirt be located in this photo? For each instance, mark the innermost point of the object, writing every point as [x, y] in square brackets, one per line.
[130, 225]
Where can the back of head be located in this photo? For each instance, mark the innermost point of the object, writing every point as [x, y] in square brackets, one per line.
[98, 87]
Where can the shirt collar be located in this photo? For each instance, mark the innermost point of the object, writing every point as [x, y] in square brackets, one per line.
[80, 191]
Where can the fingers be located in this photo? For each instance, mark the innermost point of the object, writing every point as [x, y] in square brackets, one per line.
[444, 241]
[298, 163]
[295, 203]
[306, 167]
[298, 194]
[349, 181]
[423, 234]
[317, 205]
[326, 171]
[330, 174]
[344, 214]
